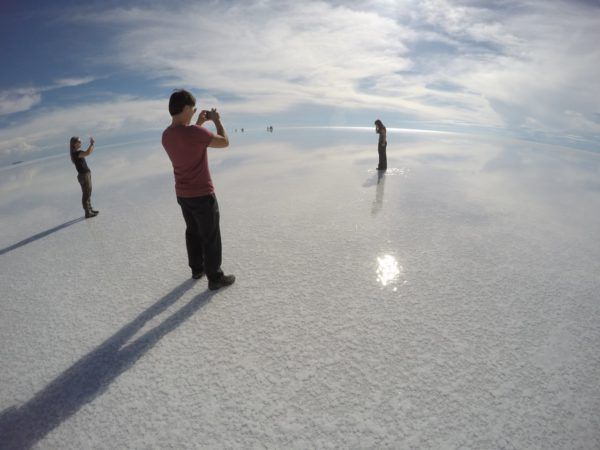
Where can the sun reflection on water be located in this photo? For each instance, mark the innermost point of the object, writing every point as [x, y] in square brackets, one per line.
[388, 270]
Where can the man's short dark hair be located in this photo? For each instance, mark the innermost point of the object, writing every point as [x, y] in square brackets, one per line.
[179, 100]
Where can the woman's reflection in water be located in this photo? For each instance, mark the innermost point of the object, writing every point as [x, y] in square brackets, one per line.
[378, 203]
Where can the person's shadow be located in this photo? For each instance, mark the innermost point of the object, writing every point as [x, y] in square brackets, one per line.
[24, 426]
[35, 237]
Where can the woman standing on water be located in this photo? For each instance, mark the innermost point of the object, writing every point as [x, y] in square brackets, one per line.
[381, 147]
[84, 174]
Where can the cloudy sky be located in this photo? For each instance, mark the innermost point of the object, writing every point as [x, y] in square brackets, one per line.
[521, 68]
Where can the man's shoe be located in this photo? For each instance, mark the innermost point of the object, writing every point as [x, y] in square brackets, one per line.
[94, 211]
[197, 275]
[225, 280]
[89, 214]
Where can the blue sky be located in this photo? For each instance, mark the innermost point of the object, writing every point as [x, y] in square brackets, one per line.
[527, 69]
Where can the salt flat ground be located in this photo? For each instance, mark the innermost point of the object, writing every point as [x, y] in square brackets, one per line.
[453, 302]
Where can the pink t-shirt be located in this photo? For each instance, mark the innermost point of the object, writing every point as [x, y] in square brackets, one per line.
[186, 147]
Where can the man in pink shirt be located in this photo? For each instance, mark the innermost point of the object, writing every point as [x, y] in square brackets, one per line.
[187, 146]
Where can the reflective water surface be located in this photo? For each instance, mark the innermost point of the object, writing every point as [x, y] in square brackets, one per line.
[388, 270]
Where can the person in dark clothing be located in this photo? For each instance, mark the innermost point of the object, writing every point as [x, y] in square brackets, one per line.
[84, 174]
[382, 145]
[186, 145]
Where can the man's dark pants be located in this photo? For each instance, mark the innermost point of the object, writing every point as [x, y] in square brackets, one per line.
[203, 234]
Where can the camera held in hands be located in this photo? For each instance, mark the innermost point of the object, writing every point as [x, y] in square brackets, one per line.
[209, 115]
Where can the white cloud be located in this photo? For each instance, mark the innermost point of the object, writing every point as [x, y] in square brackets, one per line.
[23, 99]
[70, 82]
[272, 56]
[57, 125]
[18, 100]
[530, 61]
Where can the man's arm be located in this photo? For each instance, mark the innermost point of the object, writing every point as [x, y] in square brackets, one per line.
[219, 140]
[90, 149]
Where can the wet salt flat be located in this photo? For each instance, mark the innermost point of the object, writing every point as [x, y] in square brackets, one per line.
[450, 302]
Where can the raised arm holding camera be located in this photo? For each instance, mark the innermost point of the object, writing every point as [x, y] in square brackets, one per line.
[220, 140]
[186, 145]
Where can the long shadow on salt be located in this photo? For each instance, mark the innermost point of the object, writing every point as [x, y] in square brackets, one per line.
[35, 237]
[89, 377]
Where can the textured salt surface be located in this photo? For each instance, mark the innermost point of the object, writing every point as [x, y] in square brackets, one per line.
[452, 302]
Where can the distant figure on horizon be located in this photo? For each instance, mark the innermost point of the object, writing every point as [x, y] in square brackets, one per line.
[84, 174]
[382, 145]
[187, 146]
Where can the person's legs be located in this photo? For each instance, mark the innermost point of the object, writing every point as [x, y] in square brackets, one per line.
[382, 157]
[212, 239]
[205, 212]
[193, 238]
[89, 187]
[87, 190]
[85, 180]
[81, 180]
